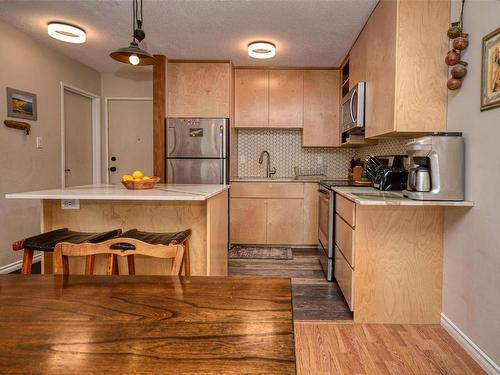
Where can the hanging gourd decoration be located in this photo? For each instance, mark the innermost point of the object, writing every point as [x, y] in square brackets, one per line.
[454, 84]
[454, 30]
[459, 70]
[452, 57]
[460, 42]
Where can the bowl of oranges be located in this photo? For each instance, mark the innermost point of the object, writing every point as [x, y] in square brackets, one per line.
[138, 181]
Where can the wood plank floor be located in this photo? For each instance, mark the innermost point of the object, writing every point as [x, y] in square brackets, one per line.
[314, 298]
[372, 349]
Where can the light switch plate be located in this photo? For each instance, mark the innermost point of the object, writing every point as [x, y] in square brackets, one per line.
[70, 204]
[39, 142]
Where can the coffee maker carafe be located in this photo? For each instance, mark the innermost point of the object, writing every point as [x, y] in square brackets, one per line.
[437, 171]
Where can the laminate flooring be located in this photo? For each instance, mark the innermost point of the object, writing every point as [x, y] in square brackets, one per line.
[314, 298]
[379, 349]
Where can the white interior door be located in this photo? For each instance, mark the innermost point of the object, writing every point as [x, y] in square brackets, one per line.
[78, 150]
[130, 137]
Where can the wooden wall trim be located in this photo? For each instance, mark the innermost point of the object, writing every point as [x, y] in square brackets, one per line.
[159, 115]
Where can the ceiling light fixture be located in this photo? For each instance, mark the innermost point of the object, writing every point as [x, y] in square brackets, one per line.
[133, 54]
[66, 33]
[261, 50]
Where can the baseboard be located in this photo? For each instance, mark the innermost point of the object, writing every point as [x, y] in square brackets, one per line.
[17, 265]
[474, 351]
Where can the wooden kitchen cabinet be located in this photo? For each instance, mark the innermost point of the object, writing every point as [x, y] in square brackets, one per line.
[198, 89]
[248, 221]
[285, 221]
[321, 108]
[399, 54]
[286, 98]
[251, 98]
[389, 263]
[274, 213]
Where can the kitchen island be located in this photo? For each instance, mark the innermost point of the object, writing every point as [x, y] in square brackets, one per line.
[165, 208]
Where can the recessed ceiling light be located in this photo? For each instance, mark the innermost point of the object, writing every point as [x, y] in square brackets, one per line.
[261, 50]
[66, 33]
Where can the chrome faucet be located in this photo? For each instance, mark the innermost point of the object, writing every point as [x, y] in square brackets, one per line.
[269, 171]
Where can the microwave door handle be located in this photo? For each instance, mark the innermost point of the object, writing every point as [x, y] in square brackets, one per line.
[351, 103]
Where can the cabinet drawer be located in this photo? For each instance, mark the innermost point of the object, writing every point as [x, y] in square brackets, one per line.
[346, 209]
[266, 190]
[344, 239]
[345, 277]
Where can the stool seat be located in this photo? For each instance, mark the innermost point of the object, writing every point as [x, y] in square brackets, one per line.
[47, 241]
[157, 238]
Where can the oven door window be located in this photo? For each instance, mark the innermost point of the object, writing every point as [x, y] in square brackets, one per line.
[324, 218]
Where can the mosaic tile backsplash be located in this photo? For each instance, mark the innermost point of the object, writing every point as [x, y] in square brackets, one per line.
[285, 147]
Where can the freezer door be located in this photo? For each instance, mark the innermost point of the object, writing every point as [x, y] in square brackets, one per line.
[196, 171]
[197, 138]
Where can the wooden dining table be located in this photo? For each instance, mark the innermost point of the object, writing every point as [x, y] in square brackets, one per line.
[145, 325]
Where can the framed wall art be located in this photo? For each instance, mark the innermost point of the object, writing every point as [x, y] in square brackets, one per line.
[490, 71]
[21, 104]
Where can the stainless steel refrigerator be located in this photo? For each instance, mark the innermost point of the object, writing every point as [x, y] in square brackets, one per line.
[197, 151]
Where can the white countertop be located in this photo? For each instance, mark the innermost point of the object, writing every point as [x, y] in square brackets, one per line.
[118, 192]
[282, 179]
[372, 197]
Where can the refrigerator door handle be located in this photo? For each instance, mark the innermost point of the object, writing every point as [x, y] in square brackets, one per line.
[222, 146]
[222, 172]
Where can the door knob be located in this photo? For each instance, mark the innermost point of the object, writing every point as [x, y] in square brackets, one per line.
[113, 158]
[112, 169]
[67, 170]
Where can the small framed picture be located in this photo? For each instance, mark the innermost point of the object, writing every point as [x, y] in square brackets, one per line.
[21, 104]
[490, 71]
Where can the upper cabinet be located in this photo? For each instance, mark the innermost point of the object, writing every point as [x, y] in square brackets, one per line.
[199, 89]
[290, 98]
[399, 54]
[286, 98]
[321, 108]
[251, 98]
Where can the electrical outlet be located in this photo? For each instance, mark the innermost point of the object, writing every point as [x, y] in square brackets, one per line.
[319, 160]
[39, 142]
[243, 159]
[70, 204]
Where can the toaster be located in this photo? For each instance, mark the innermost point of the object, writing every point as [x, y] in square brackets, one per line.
[388, 178]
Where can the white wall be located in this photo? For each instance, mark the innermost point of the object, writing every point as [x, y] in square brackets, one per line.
[471, 296]
[28, 65]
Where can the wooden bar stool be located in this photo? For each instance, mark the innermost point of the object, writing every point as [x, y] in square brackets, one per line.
[46, 242]
[122, 246]
[149, 238]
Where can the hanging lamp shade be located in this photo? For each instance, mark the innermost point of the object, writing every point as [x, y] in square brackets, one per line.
[123, 55]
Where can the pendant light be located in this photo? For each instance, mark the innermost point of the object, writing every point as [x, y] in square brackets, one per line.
[133, 54]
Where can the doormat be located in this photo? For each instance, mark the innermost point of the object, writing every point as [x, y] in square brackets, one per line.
[247, 252]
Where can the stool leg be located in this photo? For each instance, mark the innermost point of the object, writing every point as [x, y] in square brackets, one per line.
[27, 262]
[187, 265]
[110, 264]
[89, 264]
[131, 264]
[65, 265]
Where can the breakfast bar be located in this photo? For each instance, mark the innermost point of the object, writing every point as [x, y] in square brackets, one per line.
[165, 208]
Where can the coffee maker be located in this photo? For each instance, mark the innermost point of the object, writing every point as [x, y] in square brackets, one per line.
[437, 168]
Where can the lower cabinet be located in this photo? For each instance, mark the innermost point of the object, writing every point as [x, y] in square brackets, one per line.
[274, 214]
[344, 275]
[248, 220]
[285, 221]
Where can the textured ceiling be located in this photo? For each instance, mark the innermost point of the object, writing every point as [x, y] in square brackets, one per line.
[306, 32]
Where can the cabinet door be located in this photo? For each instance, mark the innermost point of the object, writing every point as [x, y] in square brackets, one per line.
[381, 70]
[248, 221]
[251, 98]
[199, 89]
[311, 214]
[321, 108]
[285, 223]
[357, 60]
[286, 98]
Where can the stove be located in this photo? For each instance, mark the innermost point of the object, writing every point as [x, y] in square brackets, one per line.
[329, 184]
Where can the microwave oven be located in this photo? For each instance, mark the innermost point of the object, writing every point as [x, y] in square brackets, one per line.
[353, 110]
